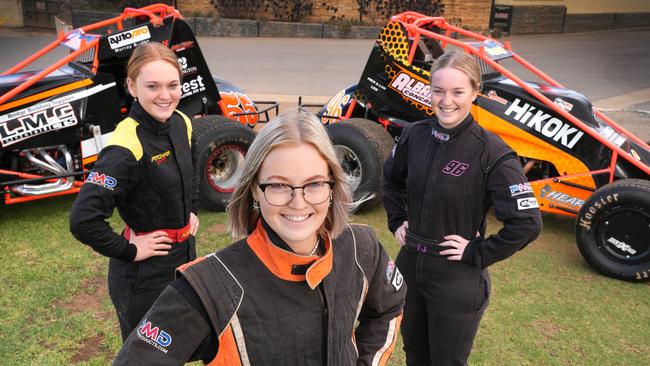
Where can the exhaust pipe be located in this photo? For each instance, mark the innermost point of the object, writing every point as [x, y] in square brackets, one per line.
[47, 163]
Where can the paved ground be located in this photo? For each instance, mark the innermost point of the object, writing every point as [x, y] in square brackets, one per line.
[611, 68]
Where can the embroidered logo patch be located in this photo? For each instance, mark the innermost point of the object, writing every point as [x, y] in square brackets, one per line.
[519, 189]
[160, 158]
[102, 180]
[455, 168]
[527, 203]
[154, 336]
[393, 275]
[440, 136]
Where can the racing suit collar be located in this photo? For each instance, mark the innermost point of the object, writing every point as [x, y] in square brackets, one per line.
[441, 134]
[281, 262]
[147, 122]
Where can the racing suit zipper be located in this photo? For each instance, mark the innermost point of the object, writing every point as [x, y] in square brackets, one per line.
[321, 292]
[426, 211]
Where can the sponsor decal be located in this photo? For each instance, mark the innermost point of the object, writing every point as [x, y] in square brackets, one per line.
[543, 123]
[621, 245]
[455, 168]
[390, 270]
[43, 121]
[527, 203]
[161, 159]
[154, 336]
[494, 49]
[590, 213]
[495, 97]
[192, 87]
[335, 106]
[393, 276]
[563, 104]
[375, 85]
[561, 198]
[238, 103]
[55, 102]
[519, 189]
[185, 69]
[440, 136]
[609, 134]
[412, 88]
[129, 39]
[182, 46]
[102, 180]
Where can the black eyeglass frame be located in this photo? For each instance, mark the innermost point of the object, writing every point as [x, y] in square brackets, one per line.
[263, 187]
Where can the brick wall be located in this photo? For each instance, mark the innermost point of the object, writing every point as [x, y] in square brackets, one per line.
[197, 7]
[472, 14]
[537, 19]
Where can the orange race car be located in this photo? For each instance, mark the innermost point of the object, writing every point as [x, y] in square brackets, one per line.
[578, 161]
[54, 122]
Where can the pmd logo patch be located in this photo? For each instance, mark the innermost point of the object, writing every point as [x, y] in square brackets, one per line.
[102, 180]
[154, 336]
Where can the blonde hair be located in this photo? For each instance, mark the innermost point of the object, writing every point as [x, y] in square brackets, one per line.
[461, 61]
[147, 52]
[295, 127]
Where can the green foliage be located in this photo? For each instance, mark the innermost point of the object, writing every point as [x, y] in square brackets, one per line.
[547, 306]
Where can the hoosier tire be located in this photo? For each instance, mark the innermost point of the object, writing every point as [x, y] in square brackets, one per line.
[222, 145]
[613, 230]
[361, 147]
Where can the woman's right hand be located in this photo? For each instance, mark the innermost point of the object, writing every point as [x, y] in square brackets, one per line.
[150, 245]
[400, 233]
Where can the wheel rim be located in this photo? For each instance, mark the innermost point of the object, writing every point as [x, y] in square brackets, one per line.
[623, 235]
[351, 165]
[224, 167]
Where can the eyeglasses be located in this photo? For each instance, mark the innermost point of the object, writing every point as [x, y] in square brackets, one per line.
[280, 194]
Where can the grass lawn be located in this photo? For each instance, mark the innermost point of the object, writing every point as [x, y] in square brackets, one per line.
[547, 308]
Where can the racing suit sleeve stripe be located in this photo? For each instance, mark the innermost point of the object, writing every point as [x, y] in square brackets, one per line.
[382, 356]
[381, 312]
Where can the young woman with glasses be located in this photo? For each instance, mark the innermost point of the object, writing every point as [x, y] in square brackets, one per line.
[301, 288]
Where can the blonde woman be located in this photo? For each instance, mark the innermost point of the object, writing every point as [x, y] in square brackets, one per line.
[146, 171]
[444, 175]
[301, 288]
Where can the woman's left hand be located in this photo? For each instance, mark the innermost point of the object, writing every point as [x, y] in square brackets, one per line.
[194, 224]
[457, 244]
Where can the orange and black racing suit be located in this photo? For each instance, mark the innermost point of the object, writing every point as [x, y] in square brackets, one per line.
[260, 304]
[147, 172]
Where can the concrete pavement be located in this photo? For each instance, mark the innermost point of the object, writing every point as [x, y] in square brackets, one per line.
[612, 68]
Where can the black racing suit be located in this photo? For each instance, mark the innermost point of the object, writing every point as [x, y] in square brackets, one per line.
[147, 172]
[443, 182]
[257, 303]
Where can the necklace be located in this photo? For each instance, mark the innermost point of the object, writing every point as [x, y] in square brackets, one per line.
[313, 251]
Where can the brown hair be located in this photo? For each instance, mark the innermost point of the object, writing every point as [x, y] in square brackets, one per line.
[461, 61]
[295, 127]
[146, 53]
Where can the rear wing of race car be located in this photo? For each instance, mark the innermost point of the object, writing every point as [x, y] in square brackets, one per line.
[411, 41]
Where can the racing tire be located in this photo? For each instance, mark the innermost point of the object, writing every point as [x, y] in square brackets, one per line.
[613, 230]
[362, 147]
[222, 145]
